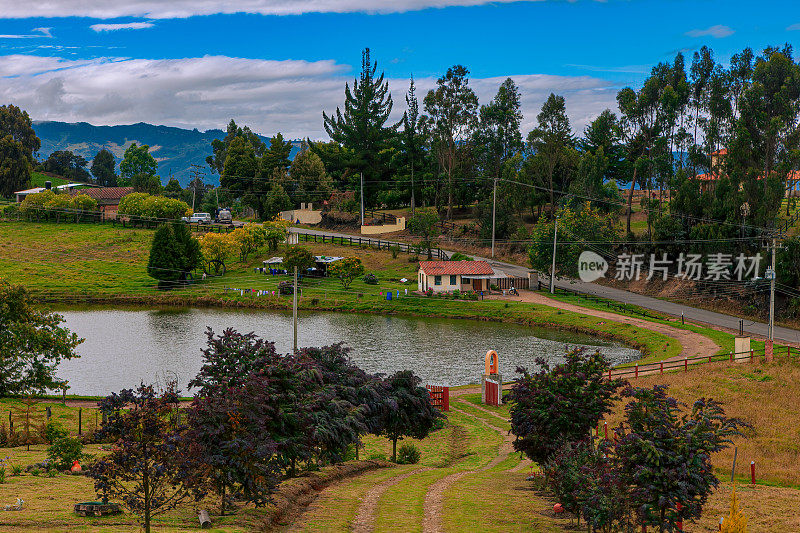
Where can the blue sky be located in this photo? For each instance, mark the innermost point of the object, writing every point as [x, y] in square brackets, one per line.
[276, 64]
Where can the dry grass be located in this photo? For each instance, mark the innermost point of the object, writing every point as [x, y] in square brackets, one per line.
[765, 395]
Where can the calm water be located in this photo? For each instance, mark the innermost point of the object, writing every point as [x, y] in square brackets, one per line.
[124, 347]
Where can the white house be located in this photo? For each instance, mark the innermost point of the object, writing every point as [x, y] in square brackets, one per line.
[446, 276]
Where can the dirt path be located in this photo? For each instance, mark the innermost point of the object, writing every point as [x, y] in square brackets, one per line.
[364, 522]
[692, 343]
[434, 498]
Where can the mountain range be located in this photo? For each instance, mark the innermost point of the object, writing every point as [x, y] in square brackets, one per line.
[175, 149]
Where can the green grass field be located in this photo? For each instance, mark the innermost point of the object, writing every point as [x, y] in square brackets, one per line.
[38, 179]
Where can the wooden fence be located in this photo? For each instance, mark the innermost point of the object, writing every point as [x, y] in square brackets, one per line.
[440, 396]
[684, 364]
[508, 283]
[378, 244]
[617, 306]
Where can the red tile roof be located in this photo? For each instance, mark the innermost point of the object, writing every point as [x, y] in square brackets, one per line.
[105, 193]
[451, 268]
[713, 176]
[722, 151]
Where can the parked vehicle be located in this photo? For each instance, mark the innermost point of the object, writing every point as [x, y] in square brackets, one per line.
[198, 218]
[224, 217]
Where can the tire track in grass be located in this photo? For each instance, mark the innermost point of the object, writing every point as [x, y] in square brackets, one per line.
[366, 516]
[434, 498]
[364, 522]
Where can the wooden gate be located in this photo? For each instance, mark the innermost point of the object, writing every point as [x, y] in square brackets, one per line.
[440, 396]
[493, 393]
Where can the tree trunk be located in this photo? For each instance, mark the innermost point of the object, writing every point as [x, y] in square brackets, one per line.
[146, 490]
[222, 499]
[394, 450]
[630, 198]
[450, 193]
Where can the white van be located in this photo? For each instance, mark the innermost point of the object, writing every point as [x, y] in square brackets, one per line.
[198, 218]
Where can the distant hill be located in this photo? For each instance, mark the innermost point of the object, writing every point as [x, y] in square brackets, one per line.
[174, 148]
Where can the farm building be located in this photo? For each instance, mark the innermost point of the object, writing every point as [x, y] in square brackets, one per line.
[107, 197]
[444, 276]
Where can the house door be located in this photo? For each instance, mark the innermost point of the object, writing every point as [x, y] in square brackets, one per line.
[477, 285]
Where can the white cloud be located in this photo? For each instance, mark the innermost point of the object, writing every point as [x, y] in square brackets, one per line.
[794, 27]
[38, 33]
[270, 96]
[718, 32]
[161, 9]
[128, 26]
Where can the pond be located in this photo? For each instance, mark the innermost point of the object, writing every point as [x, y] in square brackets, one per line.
[124, 347]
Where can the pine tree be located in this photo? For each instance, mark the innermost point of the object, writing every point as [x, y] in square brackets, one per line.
[735, 522]
[166, 258]
[103, 168]
[361, 128]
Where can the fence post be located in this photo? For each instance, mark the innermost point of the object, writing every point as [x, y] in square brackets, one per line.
[605, 429]
[80, 420]
[636, 372]
[661, 367]
[731, 357]
[609, 374]
[751, 355]
[752, 472]
[686, 363]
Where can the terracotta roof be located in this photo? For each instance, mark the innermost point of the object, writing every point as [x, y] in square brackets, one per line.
[713, 176]
[105, 193]
[450, 268]
[722, 151]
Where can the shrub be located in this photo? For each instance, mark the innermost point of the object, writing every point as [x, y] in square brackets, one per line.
[494, 287]
[395, 249]
[429, 292]
[665, 455]
[53, 431]
[139, 204]
[16, 470]
[371, 279]
[562, 404]
[408, 454]
[377, 457]
[458, 256]
[346, 270]
[64, 451]
[456, 294]
[35, 471]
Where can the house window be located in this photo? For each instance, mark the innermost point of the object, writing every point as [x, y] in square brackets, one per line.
[466, 281]
[437, 280]
[452, 280]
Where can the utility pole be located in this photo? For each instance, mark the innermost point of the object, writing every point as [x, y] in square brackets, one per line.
[553, 269]
[772, 296]
[362, 198]
[197, 172]
[294, 308]
[494, 209]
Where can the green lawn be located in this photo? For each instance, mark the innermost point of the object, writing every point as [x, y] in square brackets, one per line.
[38, 179]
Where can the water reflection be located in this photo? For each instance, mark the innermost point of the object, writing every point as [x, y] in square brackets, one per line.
[124, 347]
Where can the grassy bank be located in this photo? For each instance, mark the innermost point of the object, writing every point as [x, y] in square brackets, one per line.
[87, 263]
